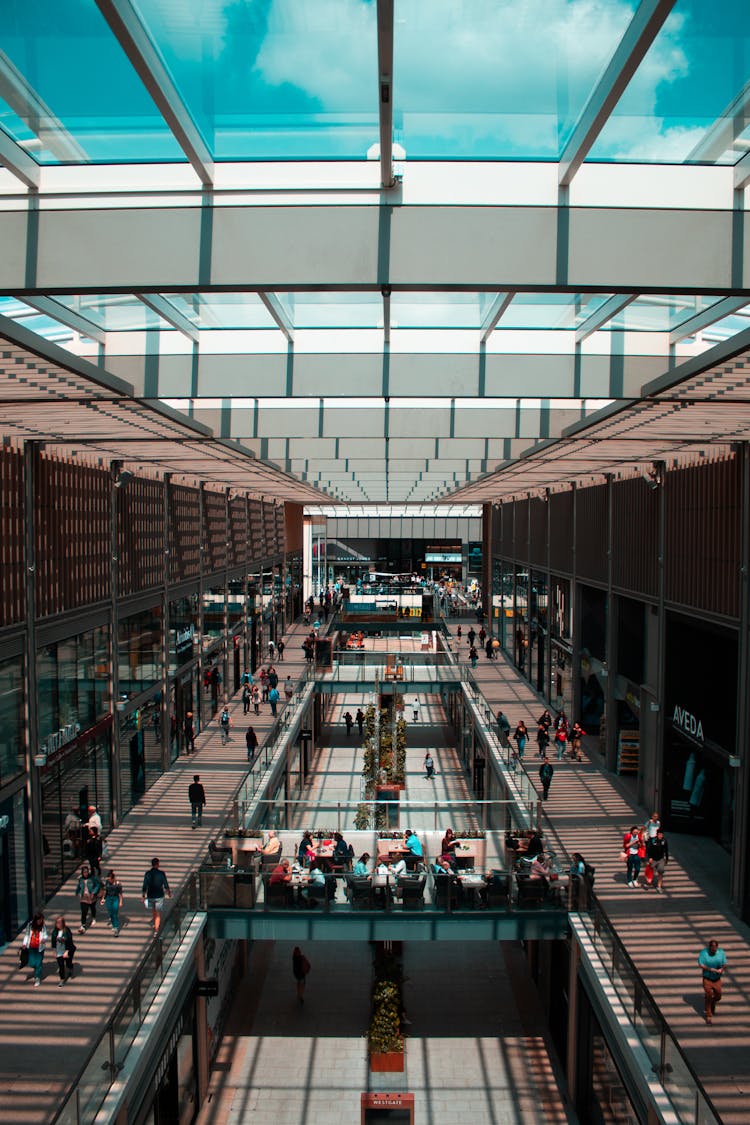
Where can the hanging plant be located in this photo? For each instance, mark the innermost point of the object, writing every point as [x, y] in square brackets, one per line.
[399, 769]
[362, 816]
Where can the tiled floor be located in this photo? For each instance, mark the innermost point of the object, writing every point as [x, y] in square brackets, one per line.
[476, 1048]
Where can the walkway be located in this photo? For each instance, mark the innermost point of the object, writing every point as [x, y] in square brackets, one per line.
[47, 1033]
[476, 1050]
[589, 809]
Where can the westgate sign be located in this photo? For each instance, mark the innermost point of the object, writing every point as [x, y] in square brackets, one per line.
[687, 723]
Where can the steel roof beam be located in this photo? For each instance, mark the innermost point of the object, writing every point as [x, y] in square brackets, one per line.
[726, 128]
[146, 61]
[742, 172]
[498, 309]
[167, 311]
[18, 161]
[708, 316]
[643, 28]
[385, 90]
[278, 315]
[36, 115]
[47, 307]
[607, 311]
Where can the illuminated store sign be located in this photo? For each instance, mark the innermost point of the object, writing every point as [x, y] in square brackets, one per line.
[687, 723]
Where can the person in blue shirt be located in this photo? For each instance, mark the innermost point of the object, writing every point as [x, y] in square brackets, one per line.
[411, 841]
[360, 867]
[712, 960]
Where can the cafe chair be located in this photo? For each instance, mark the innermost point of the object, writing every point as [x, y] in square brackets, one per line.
[278, 896]
[498, 890]
[446, 891]
[359, 892]
[412, 892]
[531, 892]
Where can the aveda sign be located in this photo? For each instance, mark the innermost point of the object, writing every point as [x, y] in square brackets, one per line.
[687, 723]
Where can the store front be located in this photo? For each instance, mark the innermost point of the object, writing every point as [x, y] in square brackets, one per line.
[140, 750]
[12, 741]
[593, 659]
[700, 729]
[15, 905]
[77, 774]
[184, 629]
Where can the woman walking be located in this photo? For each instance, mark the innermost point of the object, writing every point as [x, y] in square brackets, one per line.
[112, 900]
[64, 947]
[35, 941]
[521, 736]
[300, 969]
[88, 889]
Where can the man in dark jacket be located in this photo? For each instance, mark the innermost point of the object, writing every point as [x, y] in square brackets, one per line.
[197, 798]
[546, 771]
[657, 854]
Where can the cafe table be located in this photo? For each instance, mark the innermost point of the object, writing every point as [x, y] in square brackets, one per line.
[472, 882]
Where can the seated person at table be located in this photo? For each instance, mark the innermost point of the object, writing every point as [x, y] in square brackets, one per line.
[280, 874]
[412, 843]
[448, 861]
[540, 868]
[399, 867]
[305, 850]
[578, 865]
[317, 880]
[442, 866]
[342, 852]
[360, 867]
[271, 852]
[384, 866]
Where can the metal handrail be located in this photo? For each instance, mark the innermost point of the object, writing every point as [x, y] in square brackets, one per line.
[178, 918]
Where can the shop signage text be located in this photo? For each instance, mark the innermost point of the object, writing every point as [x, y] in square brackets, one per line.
[60, 738]
[688, 723]
[184, 639]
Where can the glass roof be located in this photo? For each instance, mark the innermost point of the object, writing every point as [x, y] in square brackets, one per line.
[488, 80]
[682, 104]
[298, 80]
[68, 92]
[285, 79]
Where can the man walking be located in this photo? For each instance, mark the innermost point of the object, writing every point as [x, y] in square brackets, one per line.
[155, 889]
[197, 798]
[712, 961]
[546, 771]
[503, 727]
[273, 699]
[251, 739]
[657, 854]
[360, 717]
[224, 723]
[349, 722]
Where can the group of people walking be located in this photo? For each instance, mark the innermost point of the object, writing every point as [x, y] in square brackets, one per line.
[647, 843]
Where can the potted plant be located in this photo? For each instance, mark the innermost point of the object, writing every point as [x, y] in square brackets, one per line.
[384, 1038]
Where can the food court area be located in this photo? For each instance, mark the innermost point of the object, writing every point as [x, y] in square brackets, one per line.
[441, 850]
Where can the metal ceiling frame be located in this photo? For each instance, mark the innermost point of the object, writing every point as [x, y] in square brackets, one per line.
[18, 162]
[606, 312]
[385, 91]
[130, 33]
[643, 28]
[708, 316]
[170, 314]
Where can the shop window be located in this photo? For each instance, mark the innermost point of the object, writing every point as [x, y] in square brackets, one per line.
[11, 719]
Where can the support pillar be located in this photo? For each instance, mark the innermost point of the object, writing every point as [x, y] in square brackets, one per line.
[31, 456]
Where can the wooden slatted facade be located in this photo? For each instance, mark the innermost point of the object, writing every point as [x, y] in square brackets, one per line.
[72, 519]
[635, 536]
[184, 533]
[703, 528]
[140, 536]
[12, 530]
[215, 531]
[238, 532]
[592, 533]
